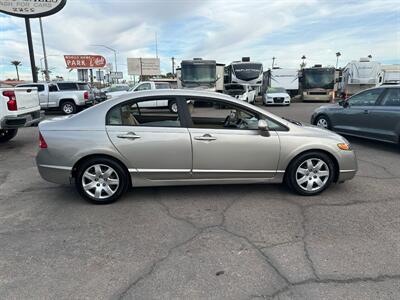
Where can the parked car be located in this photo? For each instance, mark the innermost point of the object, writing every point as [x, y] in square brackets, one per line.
[276, 95]
[116, 90]
[372, 114]
[242, 92]
[99, 95]
[19, 107]
[67, 96]
[120, 143]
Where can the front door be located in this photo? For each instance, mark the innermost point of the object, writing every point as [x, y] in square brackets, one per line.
[227, 143]
[355, 117]
[152, 140]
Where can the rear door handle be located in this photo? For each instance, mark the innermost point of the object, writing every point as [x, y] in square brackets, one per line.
[205, 137]
[129, 135]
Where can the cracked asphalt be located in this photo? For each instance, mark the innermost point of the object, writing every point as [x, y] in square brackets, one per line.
[202, 242]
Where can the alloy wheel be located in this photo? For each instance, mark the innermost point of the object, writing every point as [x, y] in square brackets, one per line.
[100, 181]
[312, 175]
[68, 108]
[174, 107]
[322, 123]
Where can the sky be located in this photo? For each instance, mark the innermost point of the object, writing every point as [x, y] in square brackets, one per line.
[224, 30]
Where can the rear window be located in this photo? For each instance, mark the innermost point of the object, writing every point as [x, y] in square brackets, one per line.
[67, 86]
[83, 86]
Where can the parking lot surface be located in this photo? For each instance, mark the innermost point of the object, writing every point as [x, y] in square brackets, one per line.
[202, 242]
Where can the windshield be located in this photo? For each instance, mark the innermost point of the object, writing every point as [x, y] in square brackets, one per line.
[247, 71]
[200, 73]
[276, 90]
[323, 78]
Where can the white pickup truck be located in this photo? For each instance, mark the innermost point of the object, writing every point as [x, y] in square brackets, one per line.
[67, 96]
[19, 107]
[149, 85]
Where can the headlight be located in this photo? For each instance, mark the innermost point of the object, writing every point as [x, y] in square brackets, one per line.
[344, 146]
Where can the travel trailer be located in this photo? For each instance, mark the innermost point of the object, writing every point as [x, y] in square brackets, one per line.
[245, 72]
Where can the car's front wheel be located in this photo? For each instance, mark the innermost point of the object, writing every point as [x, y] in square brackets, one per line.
[323, 121]
[101, 180]
[7, 134]
[173, 107]
[310, 173]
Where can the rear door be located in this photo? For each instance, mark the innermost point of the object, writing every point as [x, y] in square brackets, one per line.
[385, 117]
[155, 143]
[355, 118]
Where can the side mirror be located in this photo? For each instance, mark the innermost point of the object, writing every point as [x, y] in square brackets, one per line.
[262, 125]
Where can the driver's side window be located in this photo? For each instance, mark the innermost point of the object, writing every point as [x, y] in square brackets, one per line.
[366, 98]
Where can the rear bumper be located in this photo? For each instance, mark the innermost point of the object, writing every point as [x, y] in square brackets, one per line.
[24, 120]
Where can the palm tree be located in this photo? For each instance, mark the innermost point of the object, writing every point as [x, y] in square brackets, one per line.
[303, 63]
[337, 58]
[16, 63]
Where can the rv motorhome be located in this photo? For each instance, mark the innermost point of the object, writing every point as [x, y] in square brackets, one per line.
[390, 74]
[245, 72]
[358, 76]
[282, 77]
[201, 74]
[318, 83]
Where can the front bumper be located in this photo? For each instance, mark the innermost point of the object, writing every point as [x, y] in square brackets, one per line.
[24, 120]
[348, 165]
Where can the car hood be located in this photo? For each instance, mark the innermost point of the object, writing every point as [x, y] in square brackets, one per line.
[281, 95]
[311, 130]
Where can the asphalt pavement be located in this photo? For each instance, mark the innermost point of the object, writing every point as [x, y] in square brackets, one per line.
[202, 242]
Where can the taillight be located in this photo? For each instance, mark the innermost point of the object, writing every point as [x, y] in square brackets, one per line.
[86, 95]
[42, 142]
[12, 101]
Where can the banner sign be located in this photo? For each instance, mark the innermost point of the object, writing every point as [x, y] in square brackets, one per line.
[144, 66]
[116, 75]
[31, 8]
[84, 61]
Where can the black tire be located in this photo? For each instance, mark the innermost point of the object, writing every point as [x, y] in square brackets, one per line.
[68, 107]
[123, 177]
[7, 134]
[291, 177]
[173, 107]
[324, 119]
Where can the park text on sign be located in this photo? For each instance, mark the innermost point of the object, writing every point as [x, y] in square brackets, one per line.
[84, 61]
[31, 8]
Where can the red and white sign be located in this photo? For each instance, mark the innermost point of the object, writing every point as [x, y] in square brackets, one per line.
[84, 61]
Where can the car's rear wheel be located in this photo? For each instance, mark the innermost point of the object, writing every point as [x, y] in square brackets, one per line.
[310, 173]
[68, 107]
[7, 134]
[323, 121]
[101, 180]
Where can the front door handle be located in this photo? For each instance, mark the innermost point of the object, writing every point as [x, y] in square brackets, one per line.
[129, 135]
[205, 137]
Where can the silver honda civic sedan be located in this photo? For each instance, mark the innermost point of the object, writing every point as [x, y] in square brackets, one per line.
[135, 140]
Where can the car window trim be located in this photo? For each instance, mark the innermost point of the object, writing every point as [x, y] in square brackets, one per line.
[377, 101]
[189, 121]
[387, 90]
[146, 98]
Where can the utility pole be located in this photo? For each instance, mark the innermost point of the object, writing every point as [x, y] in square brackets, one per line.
[156, 46]
[31, 53]
[273, 61]
[337, 58]
[46, 66]
[173, 66]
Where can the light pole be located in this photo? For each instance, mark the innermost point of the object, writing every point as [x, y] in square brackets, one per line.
[303, 64]
[273, 61]
[337, 58]
[115, 55]
[46, 66]
[46, 71]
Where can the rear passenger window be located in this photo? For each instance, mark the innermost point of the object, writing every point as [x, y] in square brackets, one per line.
[67, 86]
[392, 97]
